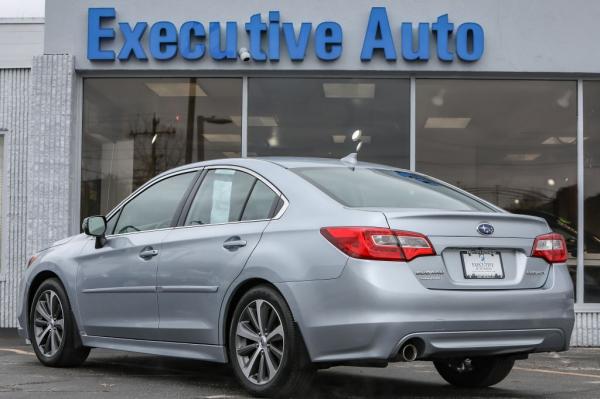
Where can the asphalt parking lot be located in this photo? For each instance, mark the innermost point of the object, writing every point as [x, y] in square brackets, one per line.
[112, 374]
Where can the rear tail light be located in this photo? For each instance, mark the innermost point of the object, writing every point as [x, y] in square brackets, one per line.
[551, 247]
[378, 243]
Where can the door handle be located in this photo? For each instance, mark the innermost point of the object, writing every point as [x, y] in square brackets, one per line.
[234, 242]
[148, 253]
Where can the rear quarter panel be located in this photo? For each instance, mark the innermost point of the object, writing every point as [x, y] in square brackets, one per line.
[292, 247]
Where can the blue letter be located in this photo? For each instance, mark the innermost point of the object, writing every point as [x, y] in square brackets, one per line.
[378, 36]
[163, 40]
[274, 35]
[443, 30]
[96, 34]
[214, 31]
[328, 41]
[462, 42]
[422, 52]
[296, 48]
[255, 28]
[132, 41]
[188, 30]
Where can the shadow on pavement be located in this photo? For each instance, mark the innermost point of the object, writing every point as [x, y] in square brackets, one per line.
[332, 383]
[343, 385]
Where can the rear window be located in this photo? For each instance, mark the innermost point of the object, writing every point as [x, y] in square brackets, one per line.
[383, 188]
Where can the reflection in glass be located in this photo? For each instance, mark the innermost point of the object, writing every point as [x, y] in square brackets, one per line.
[136, 128]
[316, 117]
[383, 188]
[155, 207]
[221, 198]
[591, 144]
[511, 142]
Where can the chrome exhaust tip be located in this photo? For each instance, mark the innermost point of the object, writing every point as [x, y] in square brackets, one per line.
[409, 353]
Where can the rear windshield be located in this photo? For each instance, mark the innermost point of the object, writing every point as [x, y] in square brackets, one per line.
[383, 188]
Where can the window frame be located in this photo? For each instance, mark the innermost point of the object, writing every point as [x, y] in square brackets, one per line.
[196, 186]
[197, 171]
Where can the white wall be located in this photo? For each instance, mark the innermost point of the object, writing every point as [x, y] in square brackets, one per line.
[20, 41]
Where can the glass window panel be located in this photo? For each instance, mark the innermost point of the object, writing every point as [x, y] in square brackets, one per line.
[111, 223]
[220, 198]
[154, 208]
[135, 128]
[261, 202]
[383, 188]
[591, 143]
[316, 117]
[511, 142]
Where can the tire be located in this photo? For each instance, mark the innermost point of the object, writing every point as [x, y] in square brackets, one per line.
[478, 372]
[52, 328]
[268, 359]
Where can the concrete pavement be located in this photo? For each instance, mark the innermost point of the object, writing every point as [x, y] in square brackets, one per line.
[112, 374]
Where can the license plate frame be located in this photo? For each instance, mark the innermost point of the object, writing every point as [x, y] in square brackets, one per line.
[496, 268]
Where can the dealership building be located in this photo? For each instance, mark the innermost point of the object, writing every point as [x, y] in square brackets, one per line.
[501, 98]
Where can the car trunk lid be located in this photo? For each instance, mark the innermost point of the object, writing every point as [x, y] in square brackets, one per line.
[469, 259]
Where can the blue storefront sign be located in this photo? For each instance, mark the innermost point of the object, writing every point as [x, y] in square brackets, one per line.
[270, 39]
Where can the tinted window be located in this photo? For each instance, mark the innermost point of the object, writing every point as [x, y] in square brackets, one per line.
[221, 197]
[384, 188]
[111, 223]
[155, 207]
[261, 202]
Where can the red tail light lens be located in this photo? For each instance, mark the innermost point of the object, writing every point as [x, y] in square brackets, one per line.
[551, 247]
[378, 243]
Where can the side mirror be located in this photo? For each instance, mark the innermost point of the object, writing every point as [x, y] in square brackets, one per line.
[95, 226]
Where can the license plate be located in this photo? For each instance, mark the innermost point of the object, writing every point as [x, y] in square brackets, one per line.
[482, 264]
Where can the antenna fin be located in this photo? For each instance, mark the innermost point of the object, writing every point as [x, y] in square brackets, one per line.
[350, 158]
[353, 158]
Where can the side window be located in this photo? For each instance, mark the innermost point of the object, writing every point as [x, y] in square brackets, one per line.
[155, 207]
[221, 197]
[261, 203]
[110, 223]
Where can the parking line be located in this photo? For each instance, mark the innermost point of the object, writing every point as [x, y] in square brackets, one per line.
[17, 351]
[559, 372]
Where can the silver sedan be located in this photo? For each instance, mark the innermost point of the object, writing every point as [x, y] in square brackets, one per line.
[281, 266]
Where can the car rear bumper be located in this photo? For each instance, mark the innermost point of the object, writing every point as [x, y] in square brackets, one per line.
[373, 308]
[484, 343]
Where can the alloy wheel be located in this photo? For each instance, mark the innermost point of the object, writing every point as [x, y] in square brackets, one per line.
[259, 342]
[48, 323]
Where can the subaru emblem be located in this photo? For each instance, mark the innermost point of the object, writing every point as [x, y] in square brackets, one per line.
[485, 229]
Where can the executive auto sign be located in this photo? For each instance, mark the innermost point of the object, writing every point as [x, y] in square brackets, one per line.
[271, 39]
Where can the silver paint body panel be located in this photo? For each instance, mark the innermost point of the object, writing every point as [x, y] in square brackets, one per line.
[116, 288]
[176, 303]
[195, 256]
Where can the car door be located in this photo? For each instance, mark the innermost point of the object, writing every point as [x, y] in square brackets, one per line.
[116, 284]
[200, 258]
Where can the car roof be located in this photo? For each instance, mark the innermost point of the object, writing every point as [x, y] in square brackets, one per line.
[307, 162]
[285, 162]
[290, 163]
